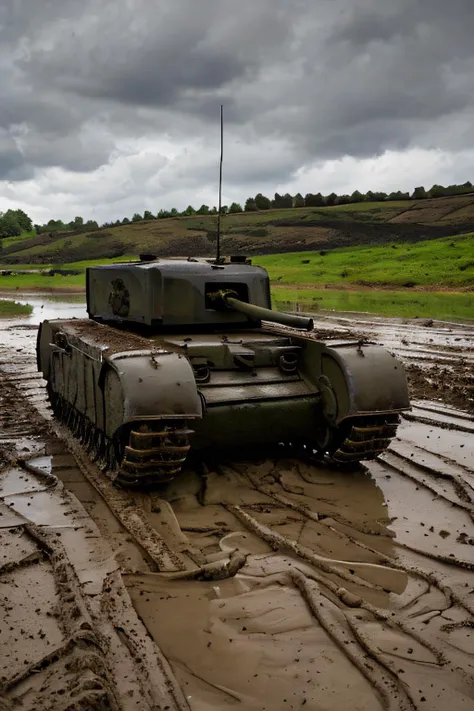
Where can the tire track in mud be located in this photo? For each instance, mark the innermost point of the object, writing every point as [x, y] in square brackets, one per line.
[269, 583]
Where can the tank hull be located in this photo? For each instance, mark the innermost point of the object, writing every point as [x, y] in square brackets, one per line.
[141, 403]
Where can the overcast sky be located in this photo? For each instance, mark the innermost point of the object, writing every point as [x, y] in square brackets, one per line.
[110, 108]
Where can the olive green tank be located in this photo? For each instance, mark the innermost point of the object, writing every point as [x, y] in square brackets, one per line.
[186, 355]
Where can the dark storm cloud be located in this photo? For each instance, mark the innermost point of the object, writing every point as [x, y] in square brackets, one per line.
[428, 20]
[325, 78]
[12, 161]
[149, 54]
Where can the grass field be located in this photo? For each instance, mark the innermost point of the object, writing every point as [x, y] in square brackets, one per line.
[8, 241]
[23, 282]
[443, 306]
[10, 309]
[447, 262]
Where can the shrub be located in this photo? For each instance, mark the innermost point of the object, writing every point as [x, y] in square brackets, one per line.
[260, 232]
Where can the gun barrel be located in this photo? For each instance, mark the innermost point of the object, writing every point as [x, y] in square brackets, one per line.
[259, 312]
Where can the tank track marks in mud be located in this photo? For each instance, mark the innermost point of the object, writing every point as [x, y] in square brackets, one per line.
[71, 639]
[152, 453]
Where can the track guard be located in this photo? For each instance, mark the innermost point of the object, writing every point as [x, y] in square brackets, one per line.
[358, 381]
[140, 386]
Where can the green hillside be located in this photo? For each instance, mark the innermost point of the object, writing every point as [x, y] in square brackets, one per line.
[263, 232]
[439, 264]
[446, 262]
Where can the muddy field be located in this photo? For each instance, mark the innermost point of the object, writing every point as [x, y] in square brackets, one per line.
[268, 584]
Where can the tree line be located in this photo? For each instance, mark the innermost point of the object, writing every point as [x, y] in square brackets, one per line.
[17, 222]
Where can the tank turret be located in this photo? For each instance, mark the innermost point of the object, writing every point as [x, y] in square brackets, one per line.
[164, 293]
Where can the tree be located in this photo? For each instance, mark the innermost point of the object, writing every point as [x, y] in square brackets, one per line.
[311, 200]
[53, 226]
[331, 199]
[262, 202]
[189, 211]
[174, 212]
[203, 210]
[282, 201]
[378, 196]
[90, 226]
[250, 205]
[76, 224]
[298, 200]
[125, 221]
[147, 215]
[276, 202]
[234, 208]
[437, 191]
[419, 193]
[398, 196]
[356, 196]
[137, 217]
[343, 200]
[9, 225]
[22, 219]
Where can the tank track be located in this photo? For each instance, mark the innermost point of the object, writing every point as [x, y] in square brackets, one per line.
[153, 453]
[149, 454]
[364, 438]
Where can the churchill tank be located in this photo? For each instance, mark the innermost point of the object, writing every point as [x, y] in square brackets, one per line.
[183, 356]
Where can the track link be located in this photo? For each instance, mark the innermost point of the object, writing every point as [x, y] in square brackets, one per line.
[149, 454]
[366, 438]
[154, 456]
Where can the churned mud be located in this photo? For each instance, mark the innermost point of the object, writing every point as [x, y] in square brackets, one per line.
[272, 584]
[69, 635]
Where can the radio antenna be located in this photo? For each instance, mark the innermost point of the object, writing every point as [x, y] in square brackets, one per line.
[218, 251]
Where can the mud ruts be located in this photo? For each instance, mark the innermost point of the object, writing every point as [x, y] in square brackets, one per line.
[295, 584]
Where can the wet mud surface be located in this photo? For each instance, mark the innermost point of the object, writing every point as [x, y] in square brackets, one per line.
[272, 584]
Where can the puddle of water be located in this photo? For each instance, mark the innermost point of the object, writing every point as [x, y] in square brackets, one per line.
[16, 482]
[43, 463]
[49, 306]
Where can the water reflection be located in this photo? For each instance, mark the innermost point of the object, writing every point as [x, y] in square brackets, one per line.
[50, 306]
